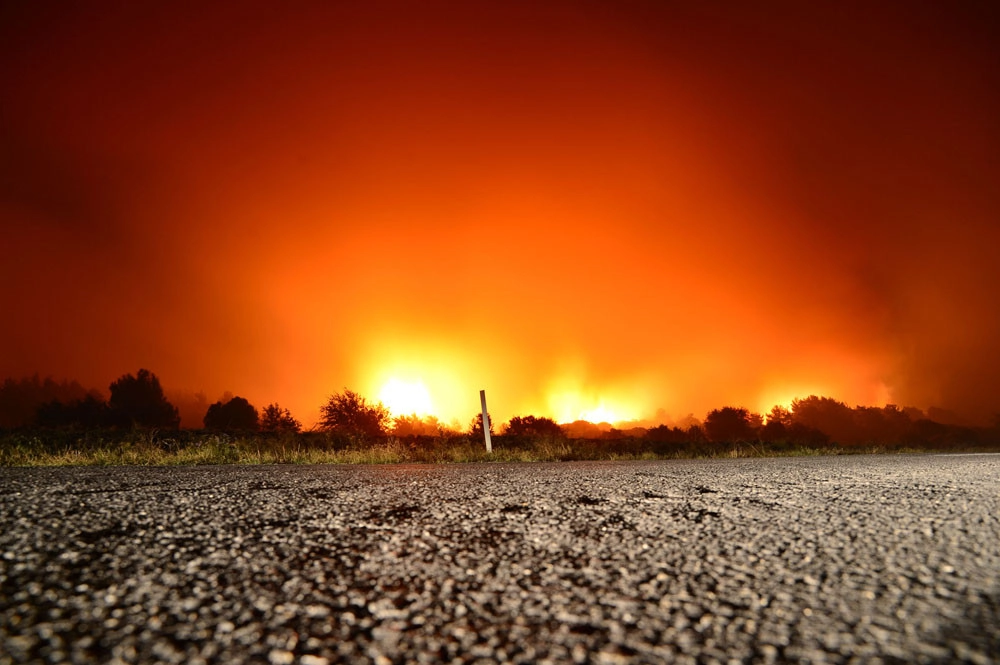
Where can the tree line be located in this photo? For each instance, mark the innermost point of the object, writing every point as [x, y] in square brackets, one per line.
[138, 401]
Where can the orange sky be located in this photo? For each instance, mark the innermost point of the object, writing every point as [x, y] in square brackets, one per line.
[633, 208]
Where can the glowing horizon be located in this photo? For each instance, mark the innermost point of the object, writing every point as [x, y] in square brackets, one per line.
[631, 217]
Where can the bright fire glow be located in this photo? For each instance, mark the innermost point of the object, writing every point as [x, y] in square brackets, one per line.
[600, 414]
[601, 223]
[429, 379]
[406, 397]
[568, 407]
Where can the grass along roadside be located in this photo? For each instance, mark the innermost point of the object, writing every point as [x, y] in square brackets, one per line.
[145, 449]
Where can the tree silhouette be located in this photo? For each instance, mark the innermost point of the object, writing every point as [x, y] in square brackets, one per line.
[235, 415]
[276, 419]
[476, 426]
[776, 429]
[730, 424]
[90, 412]
[833, 418]
[138, 401]
[349, 414]
[20, 399]
[695, 433]
[782, 428]
[780, 414]
[665, 434]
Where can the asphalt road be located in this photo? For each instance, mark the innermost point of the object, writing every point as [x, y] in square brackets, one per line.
[832, 559]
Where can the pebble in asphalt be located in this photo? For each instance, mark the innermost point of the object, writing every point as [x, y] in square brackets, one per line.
[830, 559]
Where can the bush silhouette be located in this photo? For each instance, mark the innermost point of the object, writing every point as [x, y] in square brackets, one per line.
[663, 439]
[235, 415]
[582, 429]
[138, 401]
[276, 419]
[350, 415]
[531, 427]
[406, 427]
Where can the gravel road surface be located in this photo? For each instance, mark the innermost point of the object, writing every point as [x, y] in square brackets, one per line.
[829, 559]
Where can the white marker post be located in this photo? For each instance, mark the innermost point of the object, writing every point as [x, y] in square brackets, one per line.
[486, 422]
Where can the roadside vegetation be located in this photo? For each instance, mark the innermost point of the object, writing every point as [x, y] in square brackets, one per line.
[190, 447]
[138, 425]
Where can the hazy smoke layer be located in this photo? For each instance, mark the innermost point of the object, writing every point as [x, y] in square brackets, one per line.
[587, 209]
